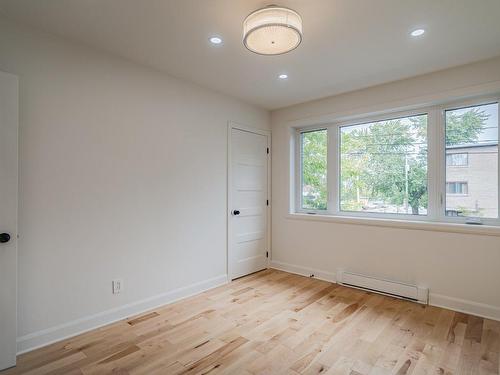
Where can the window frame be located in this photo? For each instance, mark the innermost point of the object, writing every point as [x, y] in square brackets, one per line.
[298, 174]
[442, 127]
[386, 117]
[436, 163]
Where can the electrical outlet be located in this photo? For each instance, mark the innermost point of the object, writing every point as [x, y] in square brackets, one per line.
[117, 286]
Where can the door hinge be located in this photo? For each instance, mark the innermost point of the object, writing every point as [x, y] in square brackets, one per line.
[268, 150]
[267, 202]
[267, 254]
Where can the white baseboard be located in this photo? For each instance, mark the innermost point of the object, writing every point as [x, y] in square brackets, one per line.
[469, 307]
[51, 335]
[304, 271]
[438, 300]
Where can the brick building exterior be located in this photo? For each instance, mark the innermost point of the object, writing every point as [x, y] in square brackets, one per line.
[472, 180]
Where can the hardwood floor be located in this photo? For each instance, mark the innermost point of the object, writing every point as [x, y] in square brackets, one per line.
[274, 322]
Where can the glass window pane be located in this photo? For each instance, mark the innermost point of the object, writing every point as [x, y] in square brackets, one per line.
[383, 166]
[313, 152]
[457, 159]
[457, 188]
[472, 189]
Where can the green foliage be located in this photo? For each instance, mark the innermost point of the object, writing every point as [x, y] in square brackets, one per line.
[386, 161]
[314, 162]
[464, 128]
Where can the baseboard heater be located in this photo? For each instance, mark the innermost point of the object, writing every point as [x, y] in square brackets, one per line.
[382, 286]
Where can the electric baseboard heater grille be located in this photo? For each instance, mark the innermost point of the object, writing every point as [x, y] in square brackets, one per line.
[386, 287]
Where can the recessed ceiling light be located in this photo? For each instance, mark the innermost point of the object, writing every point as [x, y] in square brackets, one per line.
[215, 40]
[283, 76]
[417, 32]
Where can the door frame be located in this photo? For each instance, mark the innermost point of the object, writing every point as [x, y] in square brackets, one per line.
[10, 91]
[267, 133]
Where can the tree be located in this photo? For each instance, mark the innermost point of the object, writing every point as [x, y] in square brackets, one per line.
[387, 160]
[353, 170]
[417, 183]
[398, 158]
[464, 128]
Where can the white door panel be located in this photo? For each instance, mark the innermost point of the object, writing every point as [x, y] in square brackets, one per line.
[251, 211]
[248, 216]
[8, 219]
[250, 236]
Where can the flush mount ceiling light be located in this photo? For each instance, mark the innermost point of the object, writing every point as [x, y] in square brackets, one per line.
[283, 76]
[272, 30]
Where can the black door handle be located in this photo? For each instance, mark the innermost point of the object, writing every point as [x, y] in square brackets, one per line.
[4, 237]
[236, 212]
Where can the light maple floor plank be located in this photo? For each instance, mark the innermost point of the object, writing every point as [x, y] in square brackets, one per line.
[273, 322]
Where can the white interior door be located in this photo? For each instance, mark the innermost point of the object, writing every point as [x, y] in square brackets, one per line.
[248, 202]
[8, 219]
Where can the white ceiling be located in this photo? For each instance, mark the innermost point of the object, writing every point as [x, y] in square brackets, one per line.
[348, 44]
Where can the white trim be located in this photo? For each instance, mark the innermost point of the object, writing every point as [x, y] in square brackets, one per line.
[63, 331]
[298, 167]
[250, 129]
[333, 170]
[304, 271]
[297, 160]
[269, 198]
[9, 108]
[436, 158]
[485, 230]
[433, 167]
[292, 166]
[465, 306]
[267, 133]
[484, 100]
[438, 300]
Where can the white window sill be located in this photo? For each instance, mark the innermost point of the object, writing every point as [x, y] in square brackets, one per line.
[486, 230]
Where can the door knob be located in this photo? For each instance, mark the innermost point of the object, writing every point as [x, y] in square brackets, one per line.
[4, 237]
[236, 212]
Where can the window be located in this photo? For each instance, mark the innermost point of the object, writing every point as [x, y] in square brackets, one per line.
[456, 159]
[457, 188]
[435, 164]
[383, 166]
[313, 146]
[472, 131]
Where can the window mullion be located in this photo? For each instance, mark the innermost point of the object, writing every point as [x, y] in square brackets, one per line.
[434, 164]
[298, 172]
[333, 170]
[441, 156]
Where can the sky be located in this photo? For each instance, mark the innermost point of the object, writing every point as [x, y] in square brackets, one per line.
[491, 127]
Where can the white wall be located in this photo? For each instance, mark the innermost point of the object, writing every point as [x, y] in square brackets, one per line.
[461, 270]
[122, 175]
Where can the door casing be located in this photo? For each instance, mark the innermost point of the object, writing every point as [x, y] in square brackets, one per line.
[233, 125]
[9, 119]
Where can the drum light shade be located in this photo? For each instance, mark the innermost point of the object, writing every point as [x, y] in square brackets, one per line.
[272, 30]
